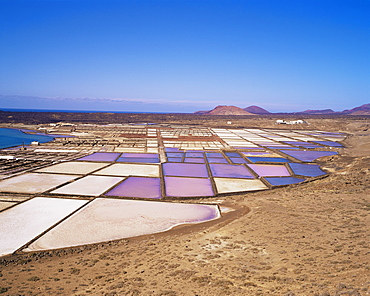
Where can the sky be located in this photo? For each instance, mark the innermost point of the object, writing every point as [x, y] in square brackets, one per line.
[184, 55]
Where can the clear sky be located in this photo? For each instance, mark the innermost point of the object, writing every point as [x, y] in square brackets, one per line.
[184, 55]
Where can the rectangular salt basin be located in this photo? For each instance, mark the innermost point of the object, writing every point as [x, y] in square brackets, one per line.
[27, 220]
[80, 168]
[185, 170]
[89, 186]
[174, 159]
[194, 160]
[255, 159]
[309, 170]
[187, 187]
[214, 155]
[111, 219]
[140, 155]
[34, 182]
[237, 160]
[126, 169]
[101, 156]
[269, 170]
[217, 160]
[280, 181]
[138, 160]
[308, 156]
[329, 143]
[230, 171]
[174, 154]
[229, 185]
[194, 154]
[139, 187]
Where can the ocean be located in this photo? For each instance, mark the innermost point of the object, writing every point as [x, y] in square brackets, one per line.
[13, 137]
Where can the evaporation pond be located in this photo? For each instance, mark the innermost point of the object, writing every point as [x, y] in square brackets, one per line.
[230, 171]
[101, 156]
[127, 169]
[73, 167]
[309, 170]
[111, 219]
[24, 222]
[277, 181]
[308, 156]
[185, 170]
[229, 185]
[139, 187]
[255, 159]
[269, 170]
[188, 187]
[34, 182]
[89, 185]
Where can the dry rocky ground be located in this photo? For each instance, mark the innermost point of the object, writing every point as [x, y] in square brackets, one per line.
[309, 239]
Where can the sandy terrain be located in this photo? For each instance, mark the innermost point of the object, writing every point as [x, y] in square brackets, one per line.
[308, 239]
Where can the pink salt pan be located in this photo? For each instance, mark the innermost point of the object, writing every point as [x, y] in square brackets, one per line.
[111, 219]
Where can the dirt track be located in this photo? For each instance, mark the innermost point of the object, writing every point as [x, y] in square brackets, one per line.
[310, 239]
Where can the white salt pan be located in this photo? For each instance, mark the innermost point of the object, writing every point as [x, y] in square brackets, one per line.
[228, 185]
[90, 185]
[110, 219]
[33, 182]
[80, 168]
[27, 220]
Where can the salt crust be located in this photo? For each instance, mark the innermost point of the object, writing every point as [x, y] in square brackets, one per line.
[33, 182]
[111, 219]
[80, 168]
[27, 220]
[89, 185]
[123, 169]
[228, 185]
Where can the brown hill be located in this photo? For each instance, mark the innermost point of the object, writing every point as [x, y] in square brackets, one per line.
[325, 111]
[361, 110]
[256, 110]
[227, 110]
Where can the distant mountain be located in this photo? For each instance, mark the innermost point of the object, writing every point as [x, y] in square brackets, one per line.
[325, 111]
[225, 110]
[361, 110]
[256, 110]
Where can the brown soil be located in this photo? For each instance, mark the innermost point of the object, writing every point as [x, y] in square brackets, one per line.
[309, 239]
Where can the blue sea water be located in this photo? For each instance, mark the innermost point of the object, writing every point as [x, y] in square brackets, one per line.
[13, 137]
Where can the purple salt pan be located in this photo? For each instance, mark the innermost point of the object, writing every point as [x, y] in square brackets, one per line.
[217, 160]
[309, 170]
[101, 156]
[214, 155]
[329, 143]
[194, 160]
[188, 187]
[277, 181]
[238, 160]
[138, 187]
[269, 170]
[140, 155]
[230, 171]
[308, 156]
[194, 154]
[185, 170]
[174, 159]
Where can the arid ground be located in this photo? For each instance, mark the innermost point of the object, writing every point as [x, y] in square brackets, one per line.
[307, 239]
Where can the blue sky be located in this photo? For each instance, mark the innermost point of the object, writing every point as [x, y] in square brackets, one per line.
[184, 55]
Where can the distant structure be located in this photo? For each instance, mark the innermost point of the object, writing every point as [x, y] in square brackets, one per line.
[282, 121]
